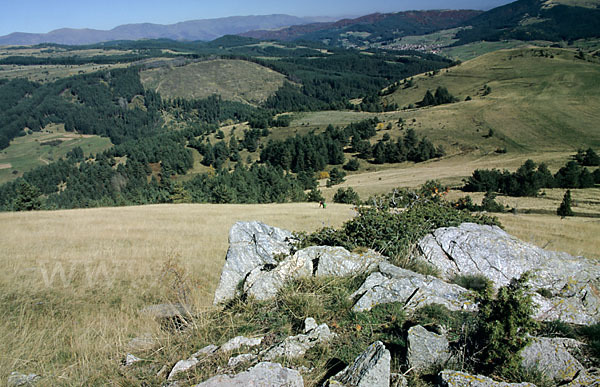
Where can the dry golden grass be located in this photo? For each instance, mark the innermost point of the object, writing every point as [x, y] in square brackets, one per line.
[74, 281]
[449, 170]
[574, 235]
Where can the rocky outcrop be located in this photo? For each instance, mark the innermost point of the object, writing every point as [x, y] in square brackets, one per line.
[552, 357]
[130, 360]
[231, 345]
[394, 284]
[239, 342]
[262, 374]
[339, 262]
[264, 282]
[183, 366]
[259, 264]
[296, 346]
[461, 379]
[426, 349]
[18, 379]
[584, 379]
[251, 245]
[370, 369]
[241, 359]
[473, 249]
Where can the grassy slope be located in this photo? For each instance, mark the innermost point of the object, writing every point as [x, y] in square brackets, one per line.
[536, 103]
[74, 331]
[539, 108]
[26, 153]
[235, 80]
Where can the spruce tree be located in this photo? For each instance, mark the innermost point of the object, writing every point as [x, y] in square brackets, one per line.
[565, 207]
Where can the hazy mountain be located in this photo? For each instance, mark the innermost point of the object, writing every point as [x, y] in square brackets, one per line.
[206, 29]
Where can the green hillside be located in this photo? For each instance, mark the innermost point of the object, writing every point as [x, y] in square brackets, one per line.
[539, 100]
[41, 148]
[234, 80]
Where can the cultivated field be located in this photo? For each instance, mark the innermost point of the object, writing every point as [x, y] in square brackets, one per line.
[74, 281]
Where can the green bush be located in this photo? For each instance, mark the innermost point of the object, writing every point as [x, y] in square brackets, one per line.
[352, 165]
[336, 177]
[490, 204]
[315, 195]
[393, 233]
[504, 327]
[346, 196]
[478, 283]
[592, 335]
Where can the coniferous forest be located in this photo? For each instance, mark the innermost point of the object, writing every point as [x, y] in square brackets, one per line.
[149, 154]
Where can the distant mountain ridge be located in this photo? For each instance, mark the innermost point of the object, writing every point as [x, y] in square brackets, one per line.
[551, 20]
[377, 24]
[203, 29]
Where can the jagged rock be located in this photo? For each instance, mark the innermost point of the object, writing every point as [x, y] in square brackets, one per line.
[310, 324]
[183, 366]
[251, 245]
[19, 379]
[338, 262]
[296, 346]
[239, 359]
[551, 356]
[584, 379]
[426, 348]
[263, 374]
[240, 341]
[131, 359]
[264, 282]
[472, 249]
[370, 369]
[208, 350]
[393, 284]
[461, 379]
[581, 309]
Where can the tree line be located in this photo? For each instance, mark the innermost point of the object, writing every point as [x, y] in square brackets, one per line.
[530, 178]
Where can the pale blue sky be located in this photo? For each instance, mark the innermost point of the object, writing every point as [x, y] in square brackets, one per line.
[46, 15]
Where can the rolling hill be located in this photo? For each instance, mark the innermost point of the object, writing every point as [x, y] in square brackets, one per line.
[539, 99]
[234, 80]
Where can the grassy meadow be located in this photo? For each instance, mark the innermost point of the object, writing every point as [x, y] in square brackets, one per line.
[34, 150]
[74, 281]
[540, 99]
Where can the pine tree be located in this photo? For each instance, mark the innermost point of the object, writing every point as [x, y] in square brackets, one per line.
[28, 197]
[565, 207]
